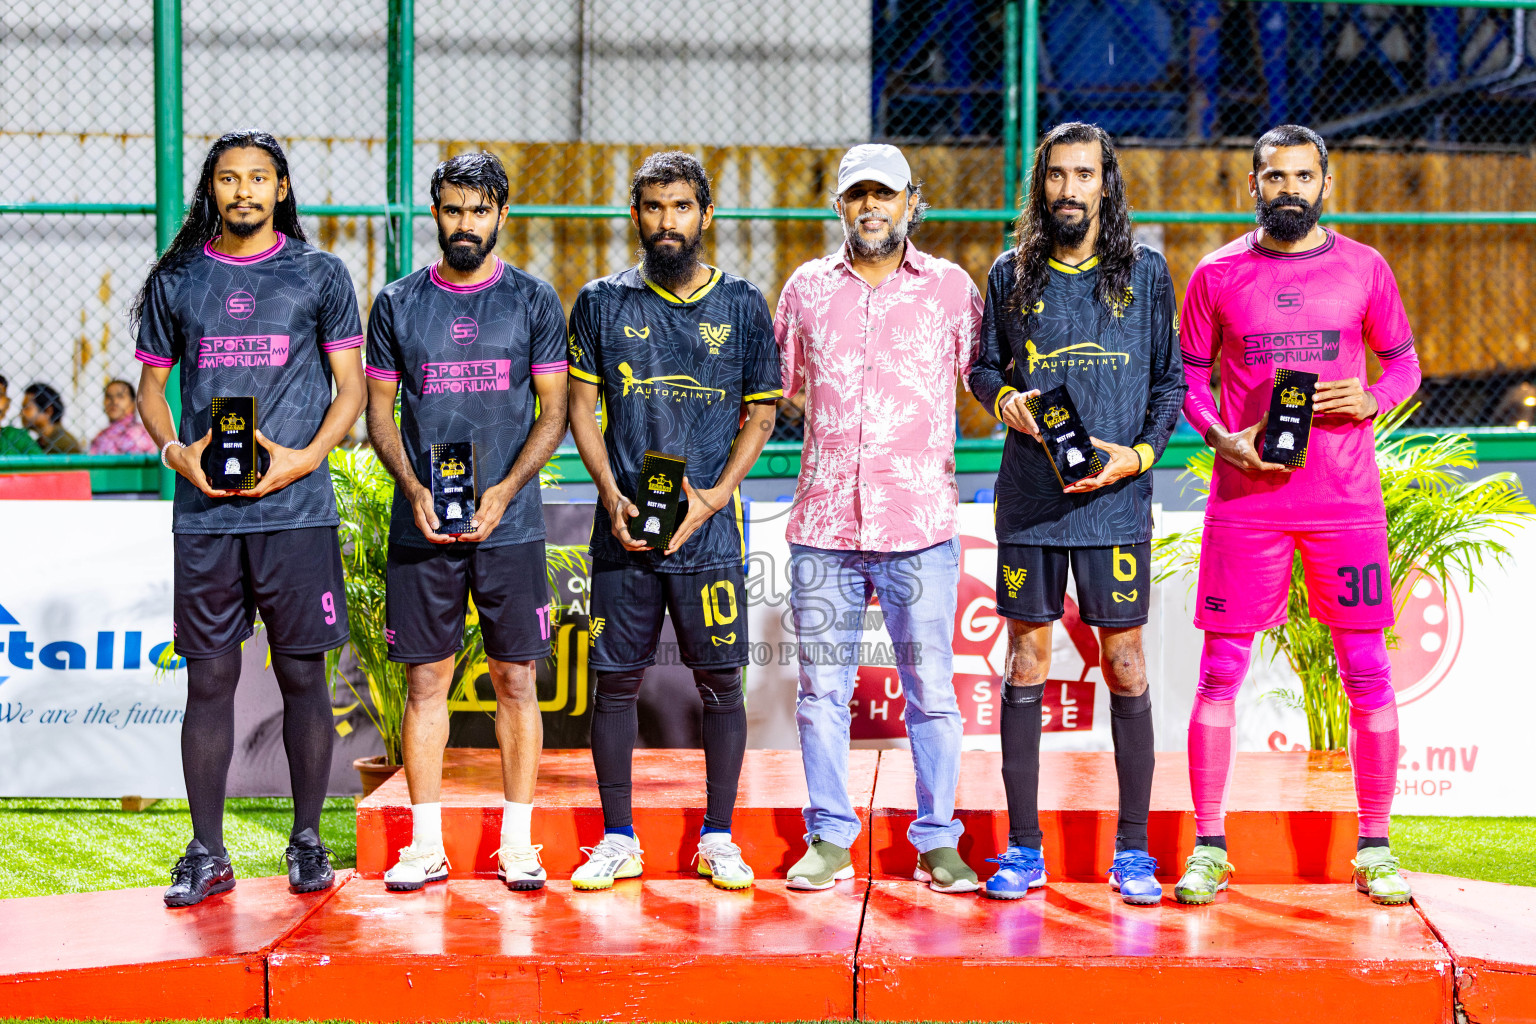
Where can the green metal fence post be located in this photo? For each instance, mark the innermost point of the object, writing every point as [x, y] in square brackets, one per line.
[1010, 108]
[401, 136]
[168, 169]
[1029, 81]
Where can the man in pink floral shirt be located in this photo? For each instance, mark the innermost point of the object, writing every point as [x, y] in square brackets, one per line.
[877, 335]
[124, 434]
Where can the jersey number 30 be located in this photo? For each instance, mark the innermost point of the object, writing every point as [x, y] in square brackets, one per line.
[1362, 584]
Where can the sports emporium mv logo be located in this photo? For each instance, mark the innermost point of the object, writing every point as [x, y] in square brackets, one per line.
[464, 330]
[240, 305]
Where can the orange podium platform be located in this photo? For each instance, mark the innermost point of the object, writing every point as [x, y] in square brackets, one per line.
[668, 811]
[121, 955]
[1488, 930]
[656, 950]
[1290, 816]
[1261, 954]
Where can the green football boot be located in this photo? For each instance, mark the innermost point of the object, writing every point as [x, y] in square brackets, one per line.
[1377, 876]
[1206, 873]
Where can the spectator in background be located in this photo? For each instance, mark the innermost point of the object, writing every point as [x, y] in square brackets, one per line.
[42, 412]
[13, 440]
[124, 434]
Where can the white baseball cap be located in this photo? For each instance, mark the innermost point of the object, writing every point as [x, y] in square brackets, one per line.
[873, 162]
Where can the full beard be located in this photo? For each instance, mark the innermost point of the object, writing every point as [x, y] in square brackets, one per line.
[1288, 218]
[667, 266]
[873, 252]
[1064, 232]
[466, 259]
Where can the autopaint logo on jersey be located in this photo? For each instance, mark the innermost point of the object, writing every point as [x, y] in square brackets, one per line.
[240, 305]
[466, 377]
[678, 387]
[464, 330]
[107, 651]
[243, 350]
[714, 336]
[1290, 347]
[1082, 356]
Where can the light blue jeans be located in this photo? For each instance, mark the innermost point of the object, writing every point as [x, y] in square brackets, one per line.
[828, 593]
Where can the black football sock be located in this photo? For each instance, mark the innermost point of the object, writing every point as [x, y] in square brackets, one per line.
[1367, 841]
[1130, 726]
[309, 733]
[615, 727]
[725, 743]
[208, 743]
[1220, 842]
[1020, 728]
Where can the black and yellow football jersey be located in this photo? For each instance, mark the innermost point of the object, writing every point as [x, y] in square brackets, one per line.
[674, 374]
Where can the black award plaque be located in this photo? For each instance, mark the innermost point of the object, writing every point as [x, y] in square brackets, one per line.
[454, 493]
[229, 461]
[660, 492]
[1064, 436]
[1290, 418]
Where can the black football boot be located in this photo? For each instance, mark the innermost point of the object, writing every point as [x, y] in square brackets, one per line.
[198, 875]
[309, 863]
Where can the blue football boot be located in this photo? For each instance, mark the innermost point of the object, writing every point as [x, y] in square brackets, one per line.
[1020, 869]
[1133, 876]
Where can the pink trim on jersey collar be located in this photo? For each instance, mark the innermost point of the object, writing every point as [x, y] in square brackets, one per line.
[242, 261]
[1253, 243]
[465, 289]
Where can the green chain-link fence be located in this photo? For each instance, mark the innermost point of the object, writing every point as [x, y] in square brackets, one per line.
[1430, 111]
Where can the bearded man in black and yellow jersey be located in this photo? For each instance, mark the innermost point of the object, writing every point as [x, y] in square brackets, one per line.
[684, 360]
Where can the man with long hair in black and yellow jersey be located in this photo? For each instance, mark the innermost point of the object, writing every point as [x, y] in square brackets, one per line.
[684, 360]
[1078, 303]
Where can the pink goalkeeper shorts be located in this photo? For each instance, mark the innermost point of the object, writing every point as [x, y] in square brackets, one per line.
[1245, 577]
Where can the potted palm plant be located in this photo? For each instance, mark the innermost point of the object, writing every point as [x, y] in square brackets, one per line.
[1438, 524]
[364, 492]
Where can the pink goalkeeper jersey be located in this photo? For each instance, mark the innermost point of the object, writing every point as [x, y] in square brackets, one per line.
[1256, 309]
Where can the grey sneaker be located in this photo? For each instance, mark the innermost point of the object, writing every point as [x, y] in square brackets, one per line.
[822, 867]
[944, 871]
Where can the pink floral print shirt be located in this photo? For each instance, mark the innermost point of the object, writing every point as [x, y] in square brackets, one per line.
[879, 367]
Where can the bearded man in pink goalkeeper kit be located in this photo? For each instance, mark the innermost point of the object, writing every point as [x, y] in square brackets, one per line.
[1294, 295]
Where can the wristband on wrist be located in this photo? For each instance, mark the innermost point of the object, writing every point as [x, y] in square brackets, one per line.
[1146, 456]
[168, 446]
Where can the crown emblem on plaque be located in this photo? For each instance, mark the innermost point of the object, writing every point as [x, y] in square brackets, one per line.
[232, 421]
[453, 467]
[1293, 396]
[659, 482]
[1055, 416]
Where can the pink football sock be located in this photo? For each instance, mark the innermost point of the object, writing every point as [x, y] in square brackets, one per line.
[1223, 664]
[1373, 735]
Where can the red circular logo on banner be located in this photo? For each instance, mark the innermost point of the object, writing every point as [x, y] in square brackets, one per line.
[1429, 631]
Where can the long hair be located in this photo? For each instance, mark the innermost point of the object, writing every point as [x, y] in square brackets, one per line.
[1116, 246]
[204, 222]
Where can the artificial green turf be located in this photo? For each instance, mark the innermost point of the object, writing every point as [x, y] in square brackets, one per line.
[1493, 849]
[55, 846]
